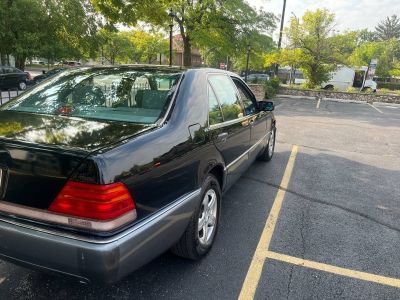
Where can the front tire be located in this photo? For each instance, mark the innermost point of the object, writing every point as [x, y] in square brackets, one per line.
[268, 152]
[200, 234]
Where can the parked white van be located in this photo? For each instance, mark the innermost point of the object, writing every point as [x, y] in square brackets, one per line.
[346, 77]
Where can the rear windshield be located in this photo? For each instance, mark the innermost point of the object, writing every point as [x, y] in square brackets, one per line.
[115, 94]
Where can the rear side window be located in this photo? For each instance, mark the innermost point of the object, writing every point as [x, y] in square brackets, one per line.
[228, 98]
[214, 110]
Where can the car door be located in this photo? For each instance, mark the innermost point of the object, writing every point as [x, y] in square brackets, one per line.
[260, 122]
[230, 127]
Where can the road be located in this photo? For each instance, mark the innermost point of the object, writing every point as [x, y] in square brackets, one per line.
[331, 195]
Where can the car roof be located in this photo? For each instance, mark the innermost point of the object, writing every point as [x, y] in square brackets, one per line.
[162, 68]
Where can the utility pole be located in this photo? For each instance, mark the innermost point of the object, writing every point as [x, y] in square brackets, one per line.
[280, 34]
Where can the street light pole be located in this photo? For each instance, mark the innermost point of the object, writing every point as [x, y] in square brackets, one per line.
[247, 63]
[281, 33]
[171, 27]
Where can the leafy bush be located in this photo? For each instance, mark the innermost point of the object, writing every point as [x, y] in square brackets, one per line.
[272, 87]
[389, 86]
[385, 91]
[352, 89]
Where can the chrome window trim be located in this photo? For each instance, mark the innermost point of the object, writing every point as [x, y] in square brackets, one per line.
[231, 122]
[219, 102]
[162, 120]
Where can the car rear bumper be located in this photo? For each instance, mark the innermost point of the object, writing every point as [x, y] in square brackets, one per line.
[104, 261]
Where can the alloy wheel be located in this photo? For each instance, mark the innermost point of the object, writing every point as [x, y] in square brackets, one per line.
[208, 218]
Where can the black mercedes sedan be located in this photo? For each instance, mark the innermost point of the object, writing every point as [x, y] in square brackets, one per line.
[102, 169]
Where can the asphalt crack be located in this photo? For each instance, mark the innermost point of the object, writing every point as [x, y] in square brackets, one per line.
[289, 282]
[303, 246]
[323, 202]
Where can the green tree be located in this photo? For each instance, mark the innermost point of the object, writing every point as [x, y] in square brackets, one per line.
[115, 46]
[395, 71]
[366, 36]
[363, 55]
[388, 29]
[386, 52]
[147, 46]
[343, 45]
[21, 39]
[286, 57]
[313, 35]
[53, 29]
[198, 21]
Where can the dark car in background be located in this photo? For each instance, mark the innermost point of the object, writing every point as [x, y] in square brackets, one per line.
[257, 77]
[103, 169]
[12, 78]
[39, 78]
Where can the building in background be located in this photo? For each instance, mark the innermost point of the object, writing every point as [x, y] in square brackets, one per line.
[177, 45]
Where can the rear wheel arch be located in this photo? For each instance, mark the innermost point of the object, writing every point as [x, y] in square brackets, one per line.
[219, 172]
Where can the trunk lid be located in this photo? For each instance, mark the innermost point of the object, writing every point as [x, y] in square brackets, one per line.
[38, 153]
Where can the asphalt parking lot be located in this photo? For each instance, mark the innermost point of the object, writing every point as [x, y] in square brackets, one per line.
[320, 221]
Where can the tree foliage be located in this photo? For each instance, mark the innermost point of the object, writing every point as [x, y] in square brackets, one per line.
[147, 45]
[387, 53]
[388, 28]
[53, 29]
[312, 35]
[205, 24]
[135, 46]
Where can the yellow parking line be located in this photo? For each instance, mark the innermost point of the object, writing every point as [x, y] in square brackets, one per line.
[254, 273]
[394, 282]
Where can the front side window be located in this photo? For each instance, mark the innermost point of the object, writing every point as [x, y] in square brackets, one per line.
[115, 94]
[227, 96]
[247, 101]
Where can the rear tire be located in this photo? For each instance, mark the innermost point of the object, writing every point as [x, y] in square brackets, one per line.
[268, 152]
[200, 234]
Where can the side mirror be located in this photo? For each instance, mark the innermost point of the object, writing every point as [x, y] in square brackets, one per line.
[266, 106]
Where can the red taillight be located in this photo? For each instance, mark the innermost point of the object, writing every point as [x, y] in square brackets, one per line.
[91, 201]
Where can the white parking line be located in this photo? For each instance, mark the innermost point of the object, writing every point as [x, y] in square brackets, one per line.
[375, 108]
[318, 103]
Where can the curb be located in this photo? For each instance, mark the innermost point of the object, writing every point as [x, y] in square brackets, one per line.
[322, 99]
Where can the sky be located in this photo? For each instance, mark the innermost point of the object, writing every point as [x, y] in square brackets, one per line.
[350, 14]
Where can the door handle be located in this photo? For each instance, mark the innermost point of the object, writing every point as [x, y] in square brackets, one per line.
[222, 137]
